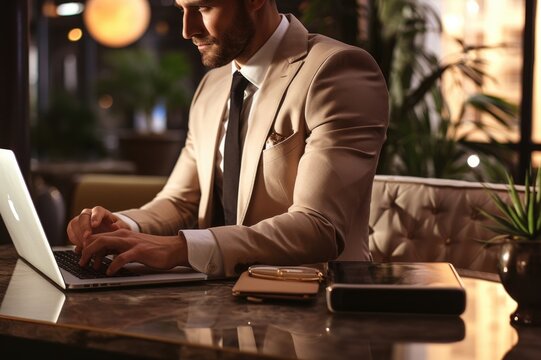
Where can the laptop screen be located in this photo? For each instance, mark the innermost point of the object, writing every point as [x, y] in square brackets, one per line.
[22, 221]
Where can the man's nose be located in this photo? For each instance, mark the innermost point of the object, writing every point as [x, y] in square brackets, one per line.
[192, 24]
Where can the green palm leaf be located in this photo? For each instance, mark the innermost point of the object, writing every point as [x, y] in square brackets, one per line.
[519, 218]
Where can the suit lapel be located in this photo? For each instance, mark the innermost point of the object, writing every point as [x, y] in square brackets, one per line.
[284, 67]
[210, 140]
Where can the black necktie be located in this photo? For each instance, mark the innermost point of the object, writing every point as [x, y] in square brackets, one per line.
[233, 151]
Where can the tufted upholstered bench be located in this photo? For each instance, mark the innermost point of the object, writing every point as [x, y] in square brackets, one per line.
[411, 219]
[421, 219]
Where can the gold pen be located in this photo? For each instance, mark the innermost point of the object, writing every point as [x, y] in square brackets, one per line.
[295, 273]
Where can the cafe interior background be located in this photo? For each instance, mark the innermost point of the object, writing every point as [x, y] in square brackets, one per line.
[110, 84]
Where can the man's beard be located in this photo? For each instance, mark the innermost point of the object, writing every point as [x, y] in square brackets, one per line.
[233, 43]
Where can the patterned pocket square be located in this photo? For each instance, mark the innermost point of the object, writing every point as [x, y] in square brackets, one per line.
[274, 139]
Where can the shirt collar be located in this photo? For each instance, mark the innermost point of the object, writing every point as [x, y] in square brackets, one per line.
[256, 67]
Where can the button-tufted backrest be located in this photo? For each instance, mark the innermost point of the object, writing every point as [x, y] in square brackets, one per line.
[420, 219]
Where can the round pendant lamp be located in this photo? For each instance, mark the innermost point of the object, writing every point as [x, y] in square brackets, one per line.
[116, 23]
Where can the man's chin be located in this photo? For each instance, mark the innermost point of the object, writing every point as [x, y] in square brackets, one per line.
[207, 63]
[213, 61]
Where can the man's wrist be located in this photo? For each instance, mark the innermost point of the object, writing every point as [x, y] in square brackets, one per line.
[183, 256]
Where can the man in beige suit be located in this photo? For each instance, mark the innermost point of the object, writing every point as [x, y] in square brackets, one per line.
[314, 116]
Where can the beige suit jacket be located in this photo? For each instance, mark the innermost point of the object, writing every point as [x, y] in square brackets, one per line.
[307, 198]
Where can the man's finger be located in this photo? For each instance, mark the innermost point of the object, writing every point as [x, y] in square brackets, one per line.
[96, 216]
[92, 245]
[85, 228]
[120, 260]
[75, 231]
[98, 259]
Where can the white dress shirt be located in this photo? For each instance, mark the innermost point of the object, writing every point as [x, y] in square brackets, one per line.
[203, 252]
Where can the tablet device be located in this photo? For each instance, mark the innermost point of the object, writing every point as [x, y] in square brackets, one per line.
[400, 287]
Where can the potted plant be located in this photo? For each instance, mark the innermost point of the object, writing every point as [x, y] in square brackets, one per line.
[66, 131]
[139, 80]
[147, 87]
[518, 225]
[424, 137]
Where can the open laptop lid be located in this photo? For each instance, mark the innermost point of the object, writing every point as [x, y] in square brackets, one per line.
[28, 236]
[22, 221]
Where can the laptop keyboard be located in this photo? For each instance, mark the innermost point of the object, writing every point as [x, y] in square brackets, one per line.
[69, 261]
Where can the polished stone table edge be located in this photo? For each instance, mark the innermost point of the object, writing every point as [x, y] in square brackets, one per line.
[122, 343]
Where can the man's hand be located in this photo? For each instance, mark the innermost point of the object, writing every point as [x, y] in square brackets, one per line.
[160, 252]
[92, 221]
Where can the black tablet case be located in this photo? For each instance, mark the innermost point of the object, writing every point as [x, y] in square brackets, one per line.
[413, 288]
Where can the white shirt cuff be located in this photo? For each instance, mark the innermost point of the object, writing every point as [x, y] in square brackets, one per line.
[203, 252]
[132, 224]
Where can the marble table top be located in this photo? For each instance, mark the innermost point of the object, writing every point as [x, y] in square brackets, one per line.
[203, 319]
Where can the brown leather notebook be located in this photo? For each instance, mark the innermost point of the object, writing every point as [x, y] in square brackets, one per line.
[259, 289]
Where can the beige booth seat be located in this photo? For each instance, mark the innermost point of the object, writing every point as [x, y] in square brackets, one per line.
[412, 219]
[421, 219]
[115, 192]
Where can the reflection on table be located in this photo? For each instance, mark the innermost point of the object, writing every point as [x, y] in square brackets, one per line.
[200, 319]
[31, 296]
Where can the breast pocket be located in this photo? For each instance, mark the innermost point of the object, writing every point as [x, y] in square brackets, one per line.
[280, 164]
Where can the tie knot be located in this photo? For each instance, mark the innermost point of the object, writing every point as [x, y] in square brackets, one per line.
[239, 83]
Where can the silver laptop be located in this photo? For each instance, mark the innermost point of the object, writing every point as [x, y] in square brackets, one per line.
[28, 236]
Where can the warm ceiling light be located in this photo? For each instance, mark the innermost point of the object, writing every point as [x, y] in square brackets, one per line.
[69, 9]
[75, 34]
[116, 23]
